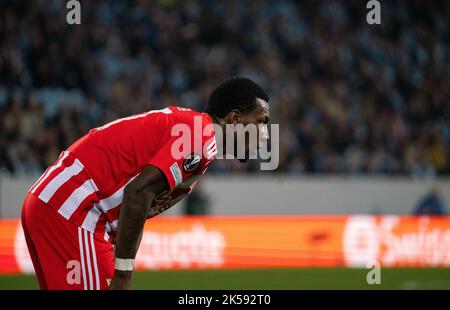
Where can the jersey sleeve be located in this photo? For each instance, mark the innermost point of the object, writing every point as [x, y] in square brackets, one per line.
[179, 156]
[168, 165]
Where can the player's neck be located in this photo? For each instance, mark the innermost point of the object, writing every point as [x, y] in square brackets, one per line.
[214, 118]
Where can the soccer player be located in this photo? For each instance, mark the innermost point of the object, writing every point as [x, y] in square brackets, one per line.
[102, 188]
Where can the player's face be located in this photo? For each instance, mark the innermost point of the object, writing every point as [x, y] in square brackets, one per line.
[260, 118]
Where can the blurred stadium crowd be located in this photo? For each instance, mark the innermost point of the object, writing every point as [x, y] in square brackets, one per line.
[350, 98]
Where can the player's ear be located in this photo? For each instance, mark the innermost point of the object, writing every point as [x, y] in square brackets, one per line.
[234, 117]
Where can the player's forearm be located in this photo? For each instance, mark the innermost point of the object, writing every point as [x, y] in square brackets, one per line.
[138, 196]
[131, 224]
[132, 217]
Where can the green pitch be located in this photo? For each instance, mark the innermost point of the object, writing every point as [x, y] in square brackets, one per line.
[295, 279]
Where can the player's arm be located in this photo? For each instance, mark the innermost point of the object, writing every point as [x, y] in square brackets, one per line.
[138, 196]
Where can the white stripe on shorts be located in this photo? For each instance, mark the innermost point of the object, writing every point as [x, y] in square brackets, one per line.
[88, 260]
[80, 244]
[94, 261]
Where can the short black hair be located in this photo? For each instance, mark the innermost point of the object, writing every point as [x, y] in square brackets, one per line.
[235, 93]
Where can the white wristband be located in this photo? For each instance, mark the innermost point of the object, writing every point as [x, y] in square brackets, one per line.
[123, 264]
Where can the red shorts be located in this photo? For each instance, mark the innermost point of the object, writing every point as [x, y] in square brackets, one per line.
[65, 256]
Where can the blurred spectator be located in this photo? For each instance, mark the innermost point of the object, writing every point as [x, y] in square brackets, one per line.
[351, 98]
[431, 204]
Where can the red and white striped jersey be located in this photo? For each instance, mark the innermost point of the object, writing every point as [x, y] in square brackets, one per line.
[87, 182]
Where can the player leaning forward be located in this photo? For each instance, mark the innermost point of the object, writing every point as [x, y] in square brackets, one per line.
[101, 189]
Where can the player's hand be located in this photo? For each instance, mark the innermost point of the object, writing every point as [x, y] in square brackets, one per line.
[121, 280]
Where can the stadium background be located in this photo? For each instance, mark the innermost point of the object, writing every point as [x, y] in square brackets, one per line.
[364, 114]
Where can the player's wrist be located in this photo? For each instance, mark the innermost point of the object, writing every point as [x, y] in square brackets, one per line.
[121, 280]
[124, 264]
[123, 268]
[123, 275]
